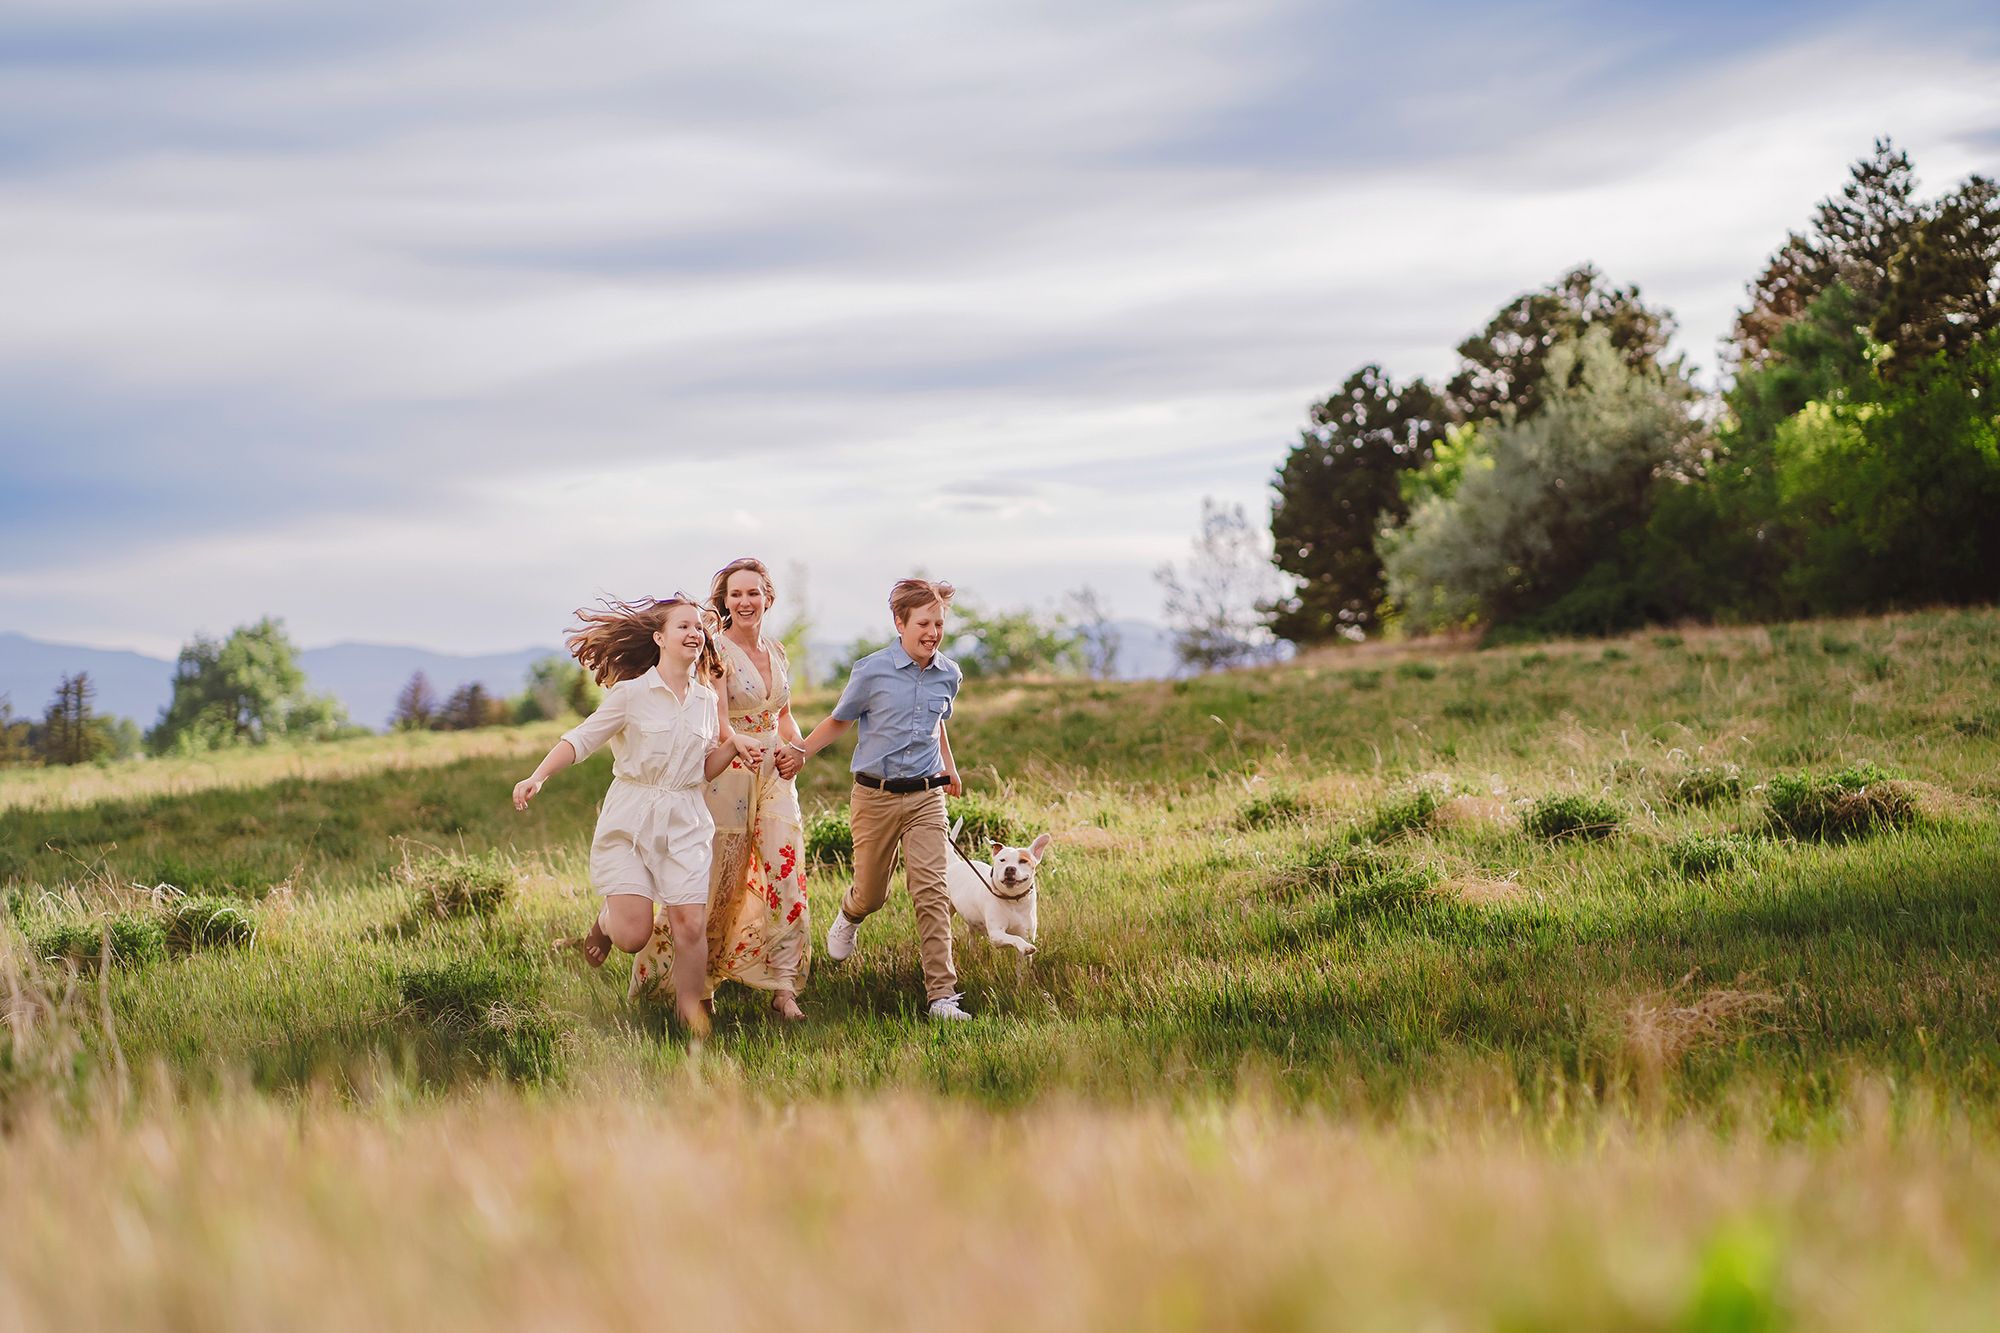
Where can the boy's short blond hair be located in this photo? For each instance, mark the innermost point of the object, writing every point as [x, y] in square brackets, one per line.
[912, 595]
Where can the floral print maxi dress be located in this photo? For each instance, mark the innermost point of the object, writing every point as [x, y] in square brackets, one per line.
[759, 928]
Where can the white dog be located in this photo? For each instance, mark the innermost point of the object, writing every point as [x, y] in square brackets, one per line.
[998, 900]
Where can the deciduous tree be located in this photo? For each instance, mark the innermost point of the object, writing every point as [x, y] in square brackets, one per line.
[1563, 486]
[1217, 602]
[1335, 493]
[1504, 367]
[246, 689]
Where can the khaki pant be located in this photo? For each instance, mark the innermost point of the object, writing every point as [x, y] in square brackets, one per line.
[916, 823]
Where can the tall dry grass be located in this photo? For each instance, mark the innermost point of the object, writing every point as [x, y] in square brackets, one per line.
[697, 1209]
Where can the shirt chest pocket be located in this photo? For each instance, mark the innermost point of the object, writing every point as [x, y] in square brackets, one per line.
[660, 740]
[933, 703]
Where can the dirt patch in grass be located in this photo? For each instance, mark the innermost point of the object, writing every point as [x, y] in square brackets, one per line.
[1089, 838]
[1474, 813]
[1662, 1027]
[1480, 890]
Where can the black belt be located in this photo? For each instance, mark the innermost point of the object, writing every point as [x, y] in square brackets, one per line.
[901, 786]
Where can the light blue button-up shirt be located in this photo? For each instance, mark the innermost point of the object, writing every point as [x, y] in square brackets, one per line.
[900, 707]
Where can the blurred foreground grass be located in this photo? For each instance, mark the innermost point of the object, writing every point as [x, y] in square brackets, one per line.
[691, 1204]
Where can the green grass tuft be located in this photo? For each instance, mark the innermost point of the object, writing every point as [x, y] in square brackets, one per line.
[453, 884]
[1271, 809]
[829, 838]
[136, 938]
[1853, 802]
[1407, 811]
[1698, 854]
[986, 821]
[1707, 785]
[1583, 818]
[207, 923]
[1354, 874]
[482, 1013]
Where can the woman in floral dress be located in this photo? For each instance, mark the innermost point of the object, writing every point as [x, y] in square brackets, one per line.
[759, 927]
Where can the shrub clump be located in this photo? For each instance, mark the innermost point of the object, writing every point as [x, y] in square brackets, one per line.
[1851, 803]
[1587, 818]
[1698, 854]
[1707, 785]
[452, 884]
[207, 923]
[986, 821]
[1271, 809]
[829, 838]
[135, 939]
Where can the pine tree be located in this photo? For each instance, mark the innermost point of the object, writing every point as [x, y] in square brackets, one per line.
[68, 733]
[1941, 295]
[1855, 238]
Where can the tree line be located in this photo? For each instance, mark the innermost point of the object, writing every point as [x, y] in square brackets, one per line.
[1076, 638]
[1571, 478]
[248, 689]
[555, 685]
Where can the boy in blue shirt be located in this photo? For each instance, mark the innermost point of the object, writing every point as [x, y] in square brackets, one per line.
[900, 698]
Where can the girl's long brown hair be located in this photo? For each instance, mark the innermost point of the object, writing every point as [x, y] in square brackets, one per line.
[718, 589]
[617, 643]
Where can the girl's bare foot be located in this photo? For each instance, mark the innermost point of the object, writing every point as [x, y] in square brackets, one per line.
[696, 1019]
[597, 944]
[786, 1006]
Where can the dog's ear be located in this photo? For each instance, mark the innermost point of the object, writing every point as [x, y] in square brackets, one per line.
[1038, 849]
[998, 846]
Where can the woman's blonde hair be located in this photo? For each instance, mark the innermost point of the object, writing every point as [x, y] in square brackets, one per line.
[617, 643]
[718, 591]
[910, 595]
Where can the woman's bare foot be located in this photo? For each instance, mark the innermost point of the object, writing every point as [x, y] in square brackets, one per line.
[786, 1006]
[597, 944]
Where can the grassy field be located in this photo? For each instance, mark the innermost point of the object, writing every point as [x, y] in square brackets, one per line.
[1624, 984]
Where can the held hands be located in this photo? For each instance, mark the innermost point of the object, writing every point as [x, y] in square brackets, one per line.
[525, 790]
[751, 751]
[790, 760]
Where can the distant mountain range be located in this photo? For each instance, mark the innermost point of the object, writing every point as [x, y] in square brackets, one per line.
[366, 677]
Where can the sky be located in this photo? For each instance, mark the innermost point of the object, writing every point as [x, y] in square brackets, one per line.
[427, 322]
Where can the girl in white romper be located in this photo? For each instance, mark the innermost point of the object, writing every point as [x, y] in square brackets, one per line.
[654, 835]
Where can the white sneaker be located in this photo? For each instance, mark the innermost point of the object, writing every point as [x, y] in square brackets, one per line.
[841, 936]
[947, 1008]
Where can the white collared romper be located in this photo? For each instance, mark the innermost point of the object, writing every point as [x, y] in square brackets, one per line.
[654, 836]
